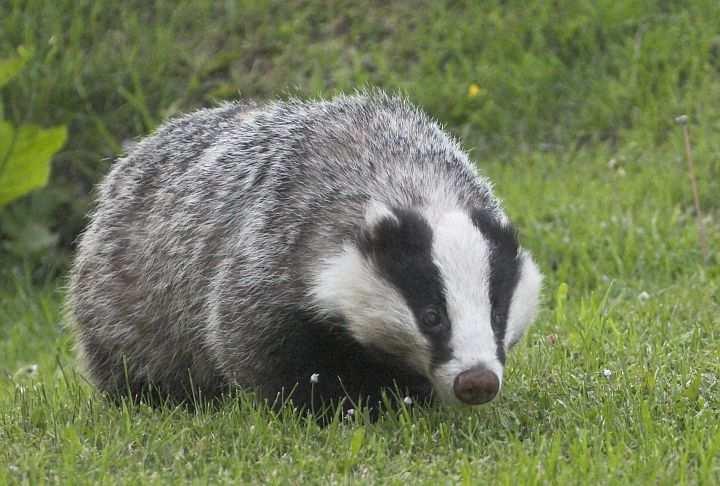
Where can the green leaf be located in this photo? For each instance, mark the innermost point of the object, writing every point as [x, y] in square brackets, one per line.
[9, 67]
[25, 155]
[357, 441]
[692, 390]
[7, 133]
[560, 299]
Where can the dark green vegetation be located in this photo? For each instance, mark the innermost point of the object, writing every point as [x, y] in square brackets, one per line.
[572, 116]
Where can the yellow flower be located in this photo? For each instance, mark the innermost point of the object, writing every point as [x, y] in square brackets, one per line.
[474, 90]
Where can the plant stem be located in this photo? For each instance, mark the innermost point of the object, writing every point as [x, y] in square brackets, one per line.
[696, 196]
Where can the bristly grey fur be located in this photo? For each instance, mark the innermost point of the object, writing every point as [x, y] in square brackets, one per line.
[196, 261]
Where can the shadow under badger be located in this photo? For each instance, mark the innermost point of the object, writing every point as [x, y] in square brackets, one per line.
[254, 246]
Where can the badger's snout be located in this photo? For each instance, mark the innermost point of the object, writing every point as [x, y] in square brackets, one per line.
[476, 385]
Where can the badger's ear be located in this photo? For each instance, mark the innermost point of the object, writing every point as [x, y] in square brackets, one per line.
[525, 300]
[376, 212]
[380, 222]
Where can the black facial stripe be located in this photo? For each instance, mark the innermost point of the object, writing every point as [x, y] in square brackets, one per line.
[402, 251]
[504, 271]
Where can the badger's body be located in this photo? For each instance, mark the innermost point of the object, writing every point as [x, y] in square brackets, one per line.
[255, 245]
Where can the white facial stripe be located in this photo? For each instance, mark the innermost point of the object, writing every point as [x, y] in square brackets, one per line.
[463, 256]
[524, 304]
[376, 313]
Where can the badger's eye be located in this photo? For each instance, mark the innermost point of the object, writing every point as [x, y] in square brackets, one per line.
[432, 319]
[494, 316]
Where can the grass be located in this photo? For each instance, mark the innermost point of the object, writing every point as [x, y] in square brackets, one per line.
[573, 122]
[655, 419]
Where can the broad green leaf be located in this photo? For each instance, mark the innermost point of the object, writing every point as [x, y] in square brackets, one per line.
[357, 440]
[7, 132]
[10, 66]
[25, 158]
[560, 299]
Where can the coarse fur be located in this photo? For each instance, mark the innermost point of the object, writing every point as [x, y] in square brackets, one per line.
[253, 245]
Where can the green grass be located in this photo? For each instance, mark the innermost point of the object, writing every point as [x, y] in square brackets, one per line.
[562, 93]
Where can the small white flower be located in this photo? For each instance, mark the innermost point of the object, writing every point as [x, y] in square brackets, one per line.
[315, 378]
[607, 373]
[408, 401]
[643, 296]
[29, 371]
[350, 412]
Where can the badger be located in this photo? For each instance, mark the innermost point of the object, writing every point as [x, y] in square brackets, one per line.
[325, 250]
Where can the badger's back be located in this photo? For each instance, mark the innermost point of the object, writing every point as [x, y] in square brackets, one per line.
[196, 260]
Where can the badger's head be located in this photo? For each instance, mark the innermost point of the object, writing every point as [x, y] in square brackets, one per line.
[447, 293]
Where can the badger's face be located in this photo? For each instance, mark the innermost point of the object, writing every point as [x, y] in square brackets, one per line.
[445, 292]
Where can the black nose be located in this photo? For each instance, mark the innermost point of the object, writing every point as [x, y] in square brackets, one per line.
[476, 385]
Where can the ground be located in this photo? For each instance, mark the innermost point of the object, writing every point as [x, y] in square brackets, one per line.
[569, 111]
